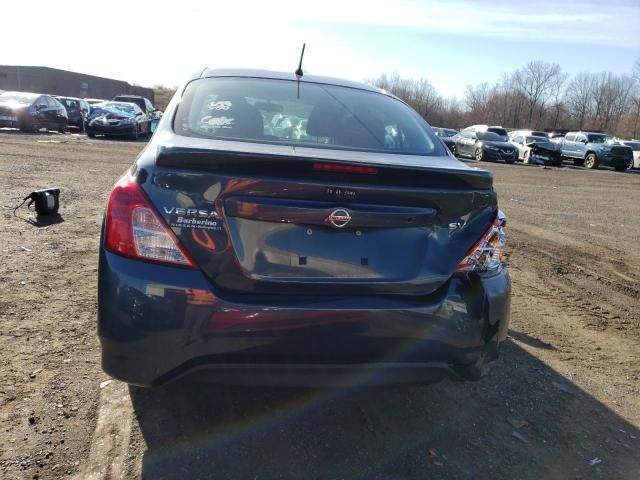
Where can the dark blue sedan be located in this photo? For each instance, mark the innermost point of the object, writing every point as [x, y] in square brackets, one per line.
[359, 251]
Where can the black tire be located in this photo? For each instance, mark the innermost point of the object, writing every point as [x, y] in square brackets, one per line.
[621, 169]
[135, 134]
[478, 155]
[28, 127]
[62, 128]
[590, 161]
[82, 127]
[578, 162]
[91, 135]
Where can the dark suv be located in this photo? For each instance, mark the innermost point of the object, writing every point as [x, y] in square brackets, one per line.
[357, 251]
[77, 111]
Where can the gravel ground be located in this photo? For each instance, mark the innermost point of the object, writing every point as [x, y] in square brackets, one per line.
[562, 402]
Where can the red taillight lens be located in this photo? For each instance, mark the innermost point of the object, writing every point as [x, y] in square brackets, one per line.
[133, 227]
[486, 254]
[340, 168]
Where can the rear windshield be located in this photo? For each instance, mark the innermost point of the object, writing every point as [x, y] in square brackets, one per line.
[634, 145]
[306, 114]
[68, 102]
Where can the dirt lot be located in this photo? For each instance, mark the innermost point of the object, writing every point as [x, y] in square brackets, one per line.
[562, 402]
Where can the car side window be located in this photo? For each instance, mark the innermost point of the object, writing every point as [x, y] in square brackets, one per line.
[581, 138]
[570, 137]
[518, 139]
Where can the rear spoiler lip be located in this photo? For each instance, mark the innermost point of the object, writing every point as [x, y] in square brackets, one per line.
[190, 158]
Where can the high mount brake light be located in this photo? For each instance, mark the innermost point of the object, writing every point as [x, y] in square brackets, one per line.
[486, 254]
[340, 168]
[133, 227]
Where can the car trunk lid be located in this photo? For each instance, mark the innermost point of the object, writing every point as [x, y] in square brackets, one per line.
[336, 224]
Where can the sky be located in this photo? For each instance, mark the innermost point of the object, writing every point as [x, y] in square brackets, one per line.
[451, 43]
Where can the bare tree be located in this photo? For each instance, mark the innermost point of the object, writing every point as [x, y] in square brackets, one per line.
[535, 80]
[579, 96]
[538, 95]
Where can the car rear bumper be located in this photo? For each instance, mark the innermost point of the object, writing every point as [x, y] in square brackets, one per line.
[157, 323]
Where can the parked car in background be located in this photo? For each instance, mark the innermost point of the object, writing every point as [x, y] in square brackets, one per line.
[485, 145]
[487, 128]
[447, 136]
[360, 252]
[444, 132]
[144, 103]
[591, 149]
[77, 111]
[635, 146]
[120, 119]
[93, 101]
[537, 149]
[31, 112]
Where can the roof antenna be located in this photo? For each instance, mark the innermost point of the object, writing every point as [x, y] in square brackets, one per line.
[299, 71]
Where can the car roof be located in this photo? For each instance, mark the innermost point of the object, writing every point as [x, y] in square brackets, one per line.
[306, 78]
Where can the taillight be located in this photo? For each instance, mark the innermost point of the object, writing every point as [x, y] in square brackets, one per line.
[133, 227]
[486, 254]
[341, 168]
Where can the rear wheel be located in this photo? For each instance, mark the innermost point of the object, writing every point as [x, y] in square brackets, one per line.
[591, 161]
[91, 135]
[28, 127]
[478, 155]
[62, 128]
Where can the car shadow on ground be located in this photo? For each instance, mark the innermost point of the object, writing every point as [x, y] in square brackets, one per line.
[522, 421]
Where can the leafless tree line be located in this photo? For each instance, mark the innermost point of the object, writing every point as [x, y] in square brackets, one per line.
[538, 95]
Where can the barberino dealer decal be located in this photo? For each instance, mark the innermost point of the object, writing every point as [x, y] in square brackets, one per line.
[193, 218]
